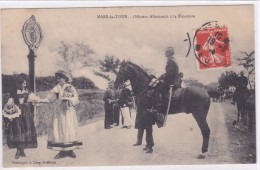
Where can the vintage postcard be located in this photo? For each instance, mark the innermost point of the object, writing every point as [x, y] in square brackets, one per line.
[128, 86]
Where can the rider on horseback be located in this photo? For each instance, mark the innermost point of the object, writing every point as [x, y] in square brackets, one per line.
[171, 77]
[242, 83]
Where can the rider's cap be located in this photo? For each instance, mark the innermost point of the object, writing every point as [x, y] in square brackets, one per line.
[169, 50]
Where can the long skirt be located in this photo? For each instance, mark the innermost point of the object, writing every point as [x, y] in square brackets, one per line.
[62, 134]
[126, 116]
[21, 131]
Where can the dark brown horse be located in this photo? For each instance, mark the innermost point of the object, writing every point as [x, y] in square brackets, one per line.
[195, 99]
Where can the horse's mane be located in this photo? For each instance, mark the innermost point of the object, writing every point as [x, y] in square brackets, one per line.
[138, 68]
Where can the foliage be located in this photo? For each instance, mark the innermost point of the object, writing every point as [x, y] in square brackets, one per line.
[109, 64]
[46, 83]
[83, 83]
[248, 62]
[227, 79]
[211, 86]
[102, 75]
[75, 56]
[90, 109]
[193, 82]
[7, 83]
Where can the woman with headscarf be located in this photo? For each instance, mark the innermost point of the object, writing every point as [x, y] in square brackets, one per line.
[62, 133]
[18, 118]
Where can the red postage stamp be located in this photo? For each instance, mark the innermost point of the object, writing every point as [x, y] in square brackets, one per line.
[212, 48]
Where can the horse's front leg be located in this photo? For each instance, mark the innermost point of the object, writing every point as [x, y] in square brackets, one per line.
[238, 115]
[244, 115]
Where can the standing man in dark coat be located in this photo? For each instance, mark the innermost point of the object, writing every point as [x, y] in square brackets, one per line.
[108, 98]
[241, 86]
[144, 121]
[242, 81]
[116, 108]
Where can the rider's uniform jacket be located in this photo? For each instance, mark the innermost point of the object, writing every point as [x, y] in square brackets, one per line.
[172, 73]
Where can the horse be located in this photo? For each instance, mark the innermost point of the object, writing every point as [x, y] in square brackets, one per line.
[195, 99]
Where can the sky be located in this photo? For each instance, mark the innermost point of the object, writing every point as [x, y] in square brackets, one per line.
[142, 41]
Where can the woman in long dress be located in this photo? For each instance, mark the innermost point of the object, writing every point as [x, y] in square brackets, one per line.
[62, 133]
[18, 118]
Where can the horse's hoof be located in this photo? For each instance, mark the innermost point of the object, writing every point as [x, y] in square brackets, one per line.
[202, 156]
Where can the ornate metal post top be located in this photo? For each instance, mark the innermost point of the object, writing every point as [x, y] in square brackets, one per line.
[32, 33]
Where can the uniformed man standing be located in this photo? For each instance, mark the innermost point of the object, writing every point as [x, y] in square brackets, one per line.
[109, 99]
[241, 86]
[242, 81]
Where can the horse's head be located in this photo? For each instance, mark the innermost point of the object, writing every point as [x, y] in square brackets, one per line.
[132, 72]
[122, 75]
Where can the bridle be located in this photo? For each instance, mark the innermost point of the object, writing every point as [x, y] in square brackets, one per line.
[127, 74]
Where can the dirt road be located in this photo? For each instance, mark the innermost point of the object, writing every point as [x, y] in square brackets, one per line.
[176, 144]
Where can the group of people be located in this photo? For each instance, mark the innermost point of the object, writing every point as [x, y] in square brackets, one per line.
[18, 117]
[62, 134]
[117, 101]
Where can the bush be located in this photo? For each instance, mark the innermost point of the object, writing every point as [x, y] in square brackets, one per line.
[90, 109]
[45, 83]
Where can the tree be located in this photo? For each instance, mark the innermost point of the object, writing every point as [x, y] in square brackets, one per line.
[75, 56]
[248, 62]
[102, 75]
[109, 64]
[227, 79]
[193, 82]
[212, 85]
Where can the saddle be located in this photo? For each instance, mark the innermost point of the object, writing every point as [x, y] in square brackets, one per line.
[177, 101]
[176, 94]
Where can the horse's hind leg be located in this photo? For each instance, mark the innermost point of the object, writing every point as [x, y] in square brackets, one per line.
[203, 125]
[238, 114]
